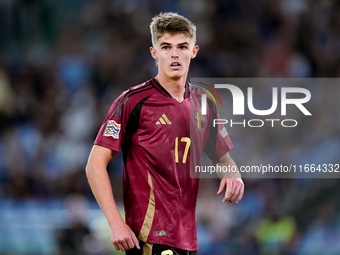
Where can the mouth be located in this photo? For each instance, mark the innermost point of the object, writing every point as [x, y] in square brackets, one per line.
[175, 65]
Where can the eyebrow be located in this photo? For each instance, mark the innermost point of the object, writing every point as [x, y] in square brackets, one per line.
[180, 44]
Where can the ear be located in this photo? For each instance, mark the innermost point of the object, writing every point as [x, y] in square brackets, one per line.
[194, 51]
[153, 53]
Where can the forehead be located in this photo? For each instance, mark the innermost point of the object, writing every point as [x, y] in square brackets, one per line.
[174, 38]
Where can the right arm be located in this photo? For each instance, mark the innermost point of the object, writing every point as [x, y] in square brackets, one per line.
[122, 236]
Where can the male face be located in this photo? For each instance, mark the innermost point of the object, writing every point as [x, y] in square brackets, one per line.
[173, 53]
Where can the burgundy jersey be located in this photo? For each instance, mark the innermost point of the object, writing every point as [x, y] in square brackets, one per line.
[153, 130]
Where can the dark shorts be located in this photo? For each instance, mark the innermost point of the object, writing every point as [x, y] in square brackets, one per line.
[158, 249]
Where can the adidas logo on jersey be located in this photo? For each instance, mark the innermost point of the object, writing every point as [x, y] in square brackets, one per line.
[161, 233]
[163, 120]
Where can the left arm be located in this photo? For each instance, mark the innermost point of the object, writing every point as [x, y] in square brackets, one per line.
[230, 180]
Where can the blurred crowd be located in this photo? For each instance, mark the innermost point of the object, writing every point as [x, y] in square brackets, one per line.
[64, 62]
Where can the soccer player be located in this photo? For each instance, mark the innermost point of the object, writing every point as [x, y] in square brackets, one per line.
[151, 124]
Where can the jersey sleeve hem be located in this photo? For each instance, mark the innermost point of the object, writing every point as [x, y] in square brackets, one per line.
[108, 146]
[222, 151]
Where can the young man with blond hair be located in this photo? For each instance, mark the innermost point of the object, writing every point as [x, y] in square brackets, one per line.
[151, 123]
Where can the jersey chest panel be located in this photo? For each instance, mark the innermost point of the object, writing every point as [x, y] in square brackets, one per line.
[163, 124]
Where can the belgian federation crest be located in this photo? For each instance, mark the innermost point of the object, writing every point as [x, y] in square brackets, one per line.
[200, 120]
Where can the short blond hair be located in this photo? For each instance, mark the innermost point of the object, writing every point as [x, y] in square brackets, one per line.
[172, 23]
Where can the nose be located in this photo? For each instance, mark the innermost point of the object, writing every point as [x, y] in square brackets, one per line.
[174, 53]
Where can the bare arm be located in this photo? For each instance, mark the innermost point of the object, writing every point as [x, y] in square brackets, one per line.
[230, 180]
[122, 236]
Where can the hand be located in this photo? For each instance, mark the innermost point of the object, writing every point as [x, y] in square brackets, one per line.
[123, 238]
[234, 189]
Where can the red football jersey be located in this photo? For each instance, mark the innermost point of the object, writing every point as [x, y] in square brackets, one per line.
[153, 130]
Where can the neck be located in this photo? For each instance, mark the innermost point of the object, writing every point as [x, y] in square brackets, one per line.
[175, 87]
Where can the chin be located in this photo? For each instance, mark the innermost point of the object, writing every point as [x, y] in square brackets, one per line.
[176, 75]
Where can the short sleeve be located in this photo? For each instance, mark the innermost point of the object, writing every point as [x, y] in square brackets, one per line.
[112, 132]
[218, 142]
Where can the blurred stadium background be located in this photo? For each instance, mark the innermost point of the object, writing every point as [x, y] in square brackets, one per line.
[63, 63]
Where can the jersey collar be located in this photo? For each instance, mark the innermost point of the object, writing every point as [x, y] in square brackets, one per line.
[163, 91]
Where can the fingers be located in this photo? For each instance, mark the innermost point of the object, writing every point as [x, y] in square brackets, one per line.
[120, 247]
[130, 243]
[234, 194]
[228, 192]
[240, 193]
[235, 189]
[221, 188]
[127, 243]
[116, 246]
[123, 245]
[135, 241]
[123, 238]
